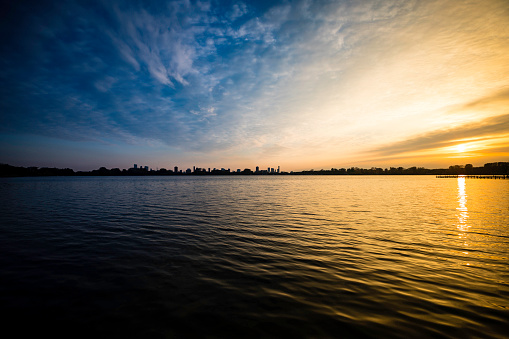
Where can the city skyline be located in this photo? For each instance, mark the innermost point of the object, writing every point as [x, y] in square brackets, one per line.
[495, 170]
[237, 84]
[176, 169]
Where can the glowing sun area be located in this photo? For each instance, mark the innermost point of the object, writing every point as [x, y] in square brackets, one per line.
[461, 148]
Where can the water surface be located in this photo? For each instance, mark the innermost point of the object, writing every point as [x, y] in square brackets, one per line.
[256, 256]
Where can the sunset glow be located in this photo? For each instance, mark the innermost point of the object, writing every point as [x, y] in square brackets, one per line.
[461, 148]
[224, 84]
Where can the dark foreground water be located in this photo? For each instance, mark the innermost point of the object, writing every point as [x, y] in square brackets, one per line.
[242, 257]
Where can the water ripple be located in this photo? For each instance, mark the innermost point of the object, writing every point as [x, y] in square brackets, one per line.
[255, 256]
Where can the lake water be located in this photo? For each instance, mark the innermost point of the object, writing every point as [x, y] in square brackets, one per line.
[255, 256]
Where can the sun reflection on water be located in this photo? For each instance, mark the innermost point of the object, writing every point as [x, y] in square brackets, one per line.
[462, 200]
[462, 212]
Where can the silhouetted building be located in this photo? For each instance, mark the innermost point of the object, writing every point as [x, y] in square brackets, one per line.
[278, 169]
[176, 169]
[257, 168]
[497, 165]
[135, 166]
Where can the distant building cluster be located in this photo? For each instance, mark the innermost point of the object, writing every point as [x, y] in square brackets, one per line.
[199, 170]
[141, 167]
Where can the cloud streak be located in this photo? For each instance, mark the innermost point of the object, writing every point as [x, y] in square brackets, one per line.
[488, 129]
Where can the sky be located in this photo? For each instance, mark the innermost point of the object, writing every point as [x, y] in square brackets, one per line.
[296, 84]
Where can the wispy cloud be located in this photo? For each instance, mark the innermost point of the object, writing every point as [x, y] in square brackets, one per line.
[489, 100]
[486, 129]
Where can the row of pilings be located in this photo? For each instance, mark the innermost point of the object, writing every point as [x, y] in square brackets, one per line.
[474, 176]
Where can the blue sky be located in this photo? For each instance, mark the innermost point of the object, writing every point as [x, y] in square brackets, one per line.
[301, 84]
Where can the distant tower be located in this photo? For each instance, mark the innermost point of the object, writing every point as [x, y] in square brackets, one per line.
[176, 169]
[257, 168]
[278, 169]
[135, 166]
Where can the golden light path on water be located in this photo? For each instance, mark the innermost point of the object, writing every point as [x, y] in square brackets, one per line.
[462, 212]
